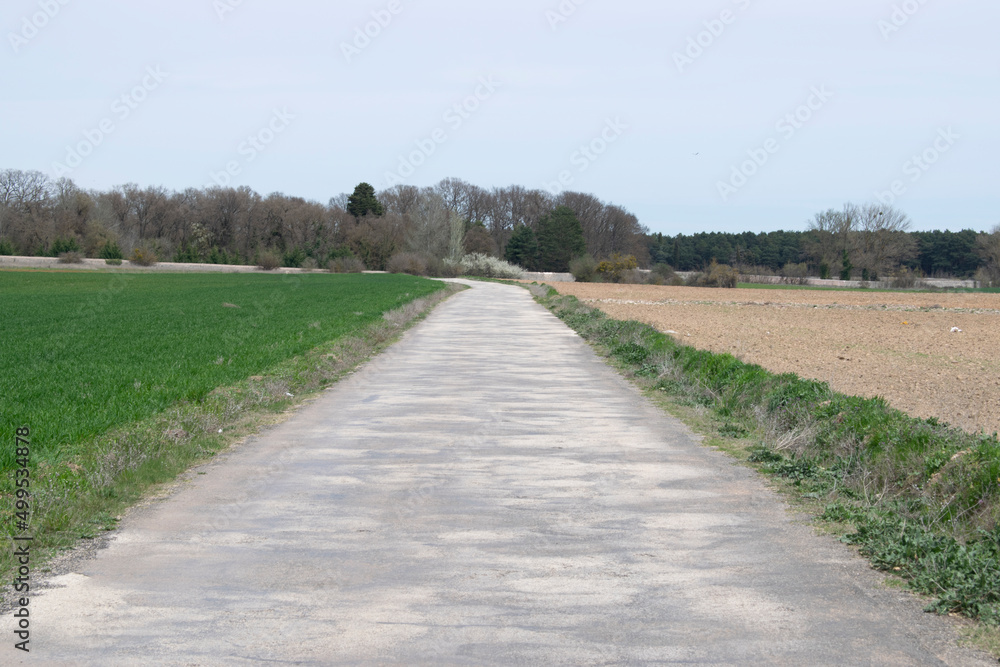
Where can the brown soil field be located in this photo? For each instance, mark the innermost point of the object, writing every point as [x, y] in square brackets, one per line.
[896, 345]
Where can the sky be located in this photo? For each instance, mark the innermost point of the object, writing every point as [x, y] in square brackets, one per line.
[715, 115]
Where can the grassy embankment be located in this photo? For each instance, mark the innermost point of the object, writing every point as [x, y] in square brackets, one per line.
[920, 500]
[126, 380]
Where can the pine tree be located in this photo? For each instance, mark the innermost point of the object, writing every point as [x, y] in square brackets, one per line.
[560, 240]
[522, 249]
[364, 201]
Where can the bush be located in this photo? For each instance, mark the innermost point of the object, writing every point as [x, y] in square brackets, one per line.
[310, 264]
[717, 275]
[904, 279]
[792, 270]
[444, 268]
[348, 264]
[985, 276]
[144, 257]
[584, 269]
[113, 262]
[613, 269]
[484, 266]
[60, 246]
[111, 251]
[407, 262]
[7, 248]
[70, 258]
[666, 272]
[269, 260]
[294, 258]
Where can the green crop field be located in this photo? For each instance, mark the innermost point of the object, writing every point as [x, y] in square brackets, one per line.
[83, 353]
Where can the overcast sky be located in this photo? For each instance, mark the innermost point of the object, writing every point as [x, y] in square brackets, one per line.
[715, 115]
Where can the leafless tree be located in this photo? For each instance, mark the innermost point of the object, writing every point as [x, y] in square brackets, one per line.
[881, 240]
[988, 249]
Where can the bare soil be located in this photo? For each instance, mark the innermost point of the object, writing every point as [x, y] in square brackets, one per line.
[893, 344]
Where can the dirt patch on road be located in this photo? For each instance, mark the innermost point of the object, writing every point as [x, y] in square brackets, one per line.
[892, 344]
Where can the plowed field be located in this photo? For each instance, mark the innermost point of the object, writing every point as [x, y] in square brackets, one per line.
[897, 345]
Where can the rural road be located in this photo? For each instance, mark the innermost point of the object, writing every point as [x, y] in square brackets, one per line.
[485, 492]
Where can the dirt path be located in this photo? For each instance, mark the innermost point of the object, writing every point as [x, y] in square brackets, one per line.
[486, 492]
[897, 345]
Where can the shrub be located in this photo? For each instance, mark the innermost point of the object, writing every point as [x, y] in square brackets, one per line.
[407, 262]
[269, 261]
[349, 264]
[70, 258]
[665, 272]
[484, 266]
[716, 275]
[111, 251]
[614, 268]
[636, 277]
[792, 270]
[60, 246]
[340, 252]
[6, 248]
[294, 258]
[824, 271]
[904, 279]
[310, 264]
[113, 262]
[584, 269]
[984, 275]
[444, 268]
[144, 257]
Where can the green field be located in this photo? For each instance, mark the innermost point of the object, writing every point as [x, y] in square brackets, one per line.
[83, 353]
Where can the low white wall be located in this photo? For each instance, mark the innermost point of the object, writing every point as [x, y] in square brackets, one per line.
[549, 277]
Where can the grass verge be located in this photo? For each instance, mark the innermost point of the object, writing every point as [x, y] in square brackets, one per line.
[80, 493]
[919, 499]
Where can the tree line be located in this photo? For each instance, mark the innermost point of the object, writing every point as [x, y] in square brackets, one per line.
[858, 240]
[41, 216]
[532, 228]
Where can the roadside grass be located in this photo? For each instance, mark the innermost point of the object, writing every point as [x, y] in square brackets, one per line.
[80, 486]
[919, 499]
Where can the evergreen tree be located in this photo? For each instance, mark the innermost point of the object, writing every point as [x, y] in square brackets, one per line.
[364, 201]
[522, 249]
[560, 240]
[845, 271]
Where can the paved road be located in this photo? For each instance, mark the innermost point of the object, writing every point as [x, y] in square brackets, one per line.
[486, 492]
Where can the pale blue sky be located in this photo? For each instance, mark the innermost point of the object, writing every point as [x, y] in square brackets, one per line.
[225, 67]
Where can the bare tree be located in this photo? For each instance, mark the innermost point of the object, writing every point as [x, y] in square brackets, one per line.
[882, 243]
[988, 249]
[430, 225]
[401, 199]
